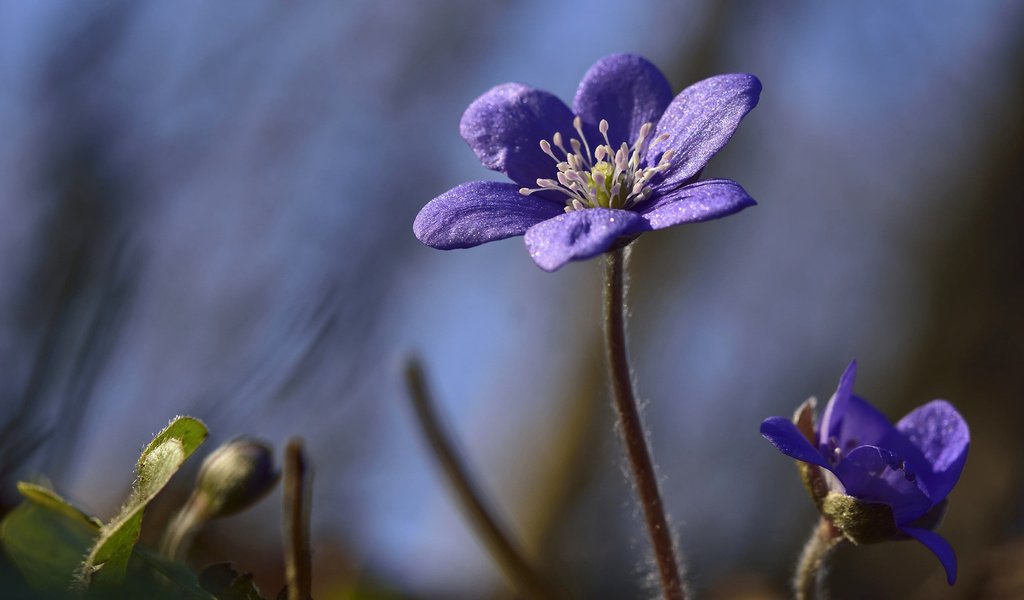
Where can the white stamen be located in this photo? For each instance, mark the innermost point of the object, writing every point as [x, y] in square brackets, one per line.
[620, 159]
[557, 139]
[645, 130]
[612, 174]
[603, 127]
[545, 147]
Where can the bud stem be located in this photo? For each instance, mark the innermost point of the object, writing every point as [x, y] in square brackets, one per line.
[809, 583]
[631, 427]
[178, 536]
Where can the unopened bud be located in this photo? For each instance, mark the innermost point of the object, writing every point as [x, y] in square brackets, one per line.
[232, 478]
[235, 476]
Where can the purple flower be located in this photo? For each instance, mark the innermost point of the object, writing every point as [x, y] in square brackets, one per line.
[624, 160]
[866, 464]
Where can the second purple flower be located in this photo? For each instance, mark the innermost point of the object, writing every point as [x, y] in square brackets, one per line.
[872, 480]
[624, 160]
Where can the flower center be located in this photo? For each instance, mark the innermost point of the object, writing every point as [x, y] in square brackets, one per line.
[604, 178]
[836, 453]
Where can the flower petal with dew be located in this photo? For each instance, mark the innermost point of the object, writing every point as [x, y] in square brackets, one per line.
[627, 151]
[857, 459]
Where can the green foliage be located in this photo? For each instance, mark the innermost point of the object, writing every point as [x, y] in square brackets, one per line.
[175, 578]
[107, 561]
[225, 583]
[46, 537]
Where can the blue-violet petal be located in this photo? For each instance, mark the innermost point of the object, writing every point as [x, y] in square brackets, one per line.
[836, 407]
[941, 434]
[876, 475]
[864, 425]
[504, 128]
[626, 90]
[784, 435]
[939, 546]
[478, 212]
[579, 235]
[699, 121]
[701, 201]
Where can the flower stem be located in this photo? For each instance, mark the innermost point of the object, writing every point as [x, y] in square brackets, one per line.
[809, 583]
[632, 430]
[503, 549]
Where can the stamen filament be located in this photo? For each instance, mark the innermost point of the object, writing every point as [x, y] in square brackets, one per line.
[577, 124]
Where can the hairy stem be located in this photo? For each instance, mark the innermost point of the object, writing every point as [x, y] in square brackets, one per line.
[506, 553]
[632, 430]
[809, 583]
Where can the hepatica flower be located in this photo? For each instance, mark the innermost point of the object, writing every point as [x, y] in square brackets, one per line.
[872, 480]
[623, 161]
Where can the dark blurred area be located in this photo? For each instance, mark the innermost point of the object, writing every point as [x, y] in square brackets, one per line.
[206, 209]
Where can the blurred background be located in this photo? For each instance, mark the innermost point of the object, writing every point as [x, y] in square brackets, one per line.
[206, 208]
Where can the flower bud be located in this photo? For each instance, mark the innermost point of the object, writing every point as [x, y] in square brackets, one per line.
[235, 476]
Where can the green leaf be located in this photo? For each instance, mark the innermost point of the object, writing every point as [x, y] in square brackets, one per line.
[46, 541]
[190, 432]
[47, 498]
[108, 559]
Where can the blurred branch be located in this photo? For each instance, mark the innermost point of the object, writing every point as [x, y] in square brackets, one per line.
[298, 572]
[506, 552]
[704, 49]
